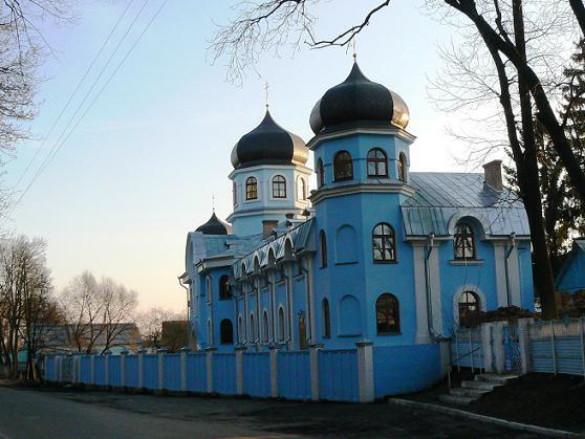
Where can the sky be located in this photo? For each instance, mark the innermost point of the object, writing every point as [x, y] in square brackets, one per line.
[140, 169]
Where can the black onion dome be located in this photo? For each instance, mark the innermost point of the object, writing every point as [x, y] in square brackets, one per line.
[359, 101]
[213, 227]
[269, 144]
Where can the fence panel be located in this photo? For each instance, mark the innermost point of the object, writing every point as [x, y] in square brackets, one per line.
[558, 347]
[100, 370]
[172, 372]
[150, 372]
[51, 368]
[131, 372]
[196, 372]
[224, 374]
[114, 371]
[338, 375]
[294, 375]
[85, 373]
[257, 374]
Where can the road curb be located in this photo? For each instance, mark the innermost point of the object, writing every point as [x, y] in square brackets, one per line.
[550, 432]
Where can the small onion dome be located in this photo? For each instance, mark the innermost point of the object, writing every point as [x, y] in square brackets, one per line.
[213, 227]
[269, 144]
[358, 101]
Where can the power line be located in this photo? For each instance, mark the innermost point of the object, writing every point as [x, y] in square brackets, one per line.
[59, 143]
[72, 95]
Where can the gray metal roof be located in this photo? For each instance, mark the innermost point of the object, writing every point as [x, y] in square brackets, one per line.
[443, 198]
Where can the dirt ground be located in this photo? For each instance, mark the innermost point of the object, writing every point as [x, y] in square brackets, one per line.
[539, 399]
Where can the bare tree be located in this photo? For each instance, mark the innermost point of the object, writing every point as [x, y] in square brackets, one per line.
[97, 313]
[150, 324]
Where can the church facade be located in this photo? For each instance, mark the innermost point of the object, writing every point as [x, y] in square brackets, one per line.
[375, 253]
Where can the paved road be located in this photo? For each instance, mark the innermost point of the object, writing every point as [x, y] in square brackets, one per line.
[64, 414]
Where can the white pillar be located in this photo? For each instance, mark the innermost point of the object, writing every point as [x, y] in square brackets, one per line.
[184, 355]
[123, 356]
[141, 368]
[524, 342]
[314, 364]
[107, 369]
[498, 346]
[92, 368]
[209, 367]
[485, 329]
[161, 368]
[365, 357]
[240, 369]
[420, 293]
[502, 288]
[274, 372]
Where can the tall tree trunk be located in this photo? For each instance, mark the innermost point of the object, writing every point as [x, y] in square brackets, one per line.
[531, 181]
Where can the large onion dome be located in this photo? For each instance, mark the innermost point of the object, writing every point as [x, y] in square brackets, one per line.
[357, 101]
[269, 144]
[213, 227]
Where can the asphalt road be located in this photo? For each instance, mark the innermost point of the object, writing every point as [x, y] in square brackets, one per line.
[67, 413]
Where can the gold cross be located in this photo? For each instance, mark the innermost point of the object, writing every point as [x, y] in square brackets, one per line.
[266, 87]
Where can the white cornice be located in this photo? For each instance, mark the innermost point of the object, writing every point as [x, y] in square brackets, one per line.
[316, 141]
[389, 188]
[300, 168]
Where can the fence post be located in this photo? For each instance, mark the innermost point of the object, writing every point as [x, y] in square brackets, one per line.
[184, 353]
[524, 343]
[161, 368]
[107, 368]
[365, 358]
[123, 355]
[77, 368]
[552, 345]
[498, 347]
[209, 367]
[581, 329]
[60, 370]
[92, 368]
[314, 366]
[486, 346]
[240, 349]
[141, 368]
[274, 371]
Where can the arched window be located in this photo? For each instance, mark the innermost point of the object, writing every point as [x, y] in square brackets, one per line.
[377, 163]
[384, 243]
[208, 288]
[235, 193]
[469, 308]
[251, 188]
[279, 187]
[252, 328]
[301, 189]
[387, 314]
[226, 332]
[281, 327]
[326, 319]
[320, 173]
[464, 242]
[265, 327]
[342, 166]
[323, 239]
[224, 287]
[401, 174]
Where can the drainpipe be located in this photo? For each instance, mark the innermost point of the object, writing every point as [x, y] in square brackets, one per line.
[309, 299]
[506, 258]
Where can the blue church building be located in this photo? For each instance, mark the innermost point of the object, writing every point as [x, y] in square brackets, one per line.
[375, 253]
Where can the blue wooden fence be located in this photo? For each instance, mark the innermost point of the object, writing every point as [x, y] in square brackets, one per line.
[197, 376]
[257, 374]
[224, 374]
[294, 375]
[338, 375]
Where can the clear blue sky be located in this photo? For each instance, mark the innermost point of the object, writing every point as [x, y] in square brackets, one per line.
[139, 171]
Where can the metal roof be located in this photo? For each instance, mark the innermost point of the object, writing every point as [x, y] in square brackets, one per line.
[443, 198]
